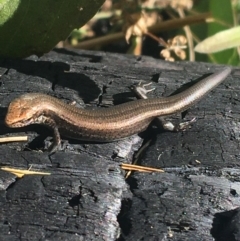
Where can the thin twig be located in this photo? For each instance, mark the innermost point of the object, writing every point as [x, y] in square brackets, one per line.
[13, 138]
[188, 33]
[20, 173]
[132, 167]
[159, 27]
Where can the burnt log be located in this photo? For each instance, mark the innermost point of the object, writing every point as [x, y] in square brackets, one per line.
[86, 196]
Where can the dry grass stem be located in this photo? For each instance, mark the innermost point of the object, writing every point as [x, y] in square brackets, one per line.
[20, 173]
[13, 138]
[132, 167]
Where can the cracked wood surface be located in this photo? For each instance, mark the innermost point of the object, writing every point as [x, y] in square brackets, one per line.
[86, 196]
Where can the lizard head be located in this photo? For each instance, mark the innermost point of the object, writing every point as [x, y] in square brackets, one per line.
[23, 111]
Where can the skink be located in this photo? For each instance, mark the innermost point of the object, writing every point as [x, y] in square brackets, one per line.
[103, 124]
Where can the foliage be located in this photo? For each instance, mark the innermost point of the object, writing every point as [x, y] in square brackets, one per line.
[140, 18]
[221, 20]
[34, 27]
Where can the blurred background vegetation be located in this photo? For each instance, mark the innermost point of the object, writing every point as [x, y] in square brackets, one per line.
[168, 29]
[173, 30]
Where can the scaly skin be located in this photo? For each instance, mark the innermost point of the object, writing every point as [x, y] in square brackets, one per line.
[103, 124]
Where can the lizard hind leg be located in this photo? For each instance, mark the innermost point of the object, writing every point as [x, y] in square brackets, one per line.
[141, 92]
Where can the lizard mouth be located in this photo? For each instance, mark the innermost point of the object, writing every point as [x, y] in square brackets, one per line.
[16, 124]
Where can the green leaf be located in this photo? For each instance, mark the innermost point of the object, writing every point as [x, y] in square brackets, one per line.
[34, 27]
[7, 9]
[223, 19]
[223, 40]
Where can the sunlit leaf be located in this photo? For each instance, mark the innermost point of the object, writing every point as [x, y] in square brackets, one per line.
[223, 19]
[223, 40]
